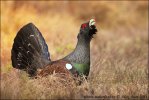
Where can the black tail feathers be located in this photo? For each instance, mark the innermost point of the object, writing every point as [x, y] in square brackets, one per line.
[29, 51]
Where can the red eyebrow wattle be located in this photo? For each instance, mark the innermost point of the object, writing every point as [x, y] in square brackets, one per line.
[83, 26]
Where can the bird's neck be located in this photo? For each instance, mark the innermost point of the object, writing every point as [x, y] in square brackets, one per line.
[81, 53]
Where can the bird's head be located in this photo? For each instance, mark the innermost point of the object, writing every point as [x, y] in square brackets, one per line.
[87, 30]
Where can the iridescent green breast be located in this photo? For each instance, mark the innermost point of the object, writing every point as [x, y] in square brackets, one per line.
[82, 68]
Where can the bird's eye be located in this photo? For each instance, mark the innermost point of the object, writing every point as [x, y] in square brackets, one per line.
[83, 26]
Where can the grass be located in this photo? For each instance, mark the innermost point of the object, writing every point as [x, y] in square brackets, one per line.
[119, 51]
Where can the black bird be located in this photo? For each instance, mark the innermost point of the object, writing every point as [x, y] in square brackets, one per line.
[30, 52]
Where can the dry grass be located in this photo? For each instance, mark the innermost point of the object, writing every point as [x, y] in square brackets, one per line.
[119, 51]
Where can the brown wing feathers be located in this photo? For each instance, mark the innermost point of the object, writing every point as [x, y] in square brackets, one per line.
[57, 67]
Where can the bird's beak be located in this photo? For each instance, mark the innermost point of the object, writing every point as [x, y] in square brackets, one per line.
[92, 23]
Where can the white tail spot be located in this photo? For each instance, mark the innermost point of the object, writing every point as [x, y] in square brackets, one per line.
[68, 66]
[31, 35]
[29, 44]
[27, 52]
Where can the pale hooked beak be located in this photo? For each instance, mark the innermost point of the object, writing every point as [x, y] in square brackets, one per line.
[91, 23]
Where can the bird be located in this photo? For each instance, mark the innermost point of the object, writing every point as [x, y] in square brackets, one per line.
[30, 52]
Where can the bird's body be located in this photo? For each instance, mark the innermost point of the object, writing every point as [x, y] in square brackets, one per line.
[30, 53]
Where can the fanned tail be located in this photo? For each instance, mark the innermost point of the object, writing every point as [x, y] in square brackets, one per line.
[29, 51]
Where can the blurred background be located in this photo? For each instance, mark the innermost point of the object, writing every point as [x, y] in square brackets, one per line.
[59, 22]
[119, 50]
